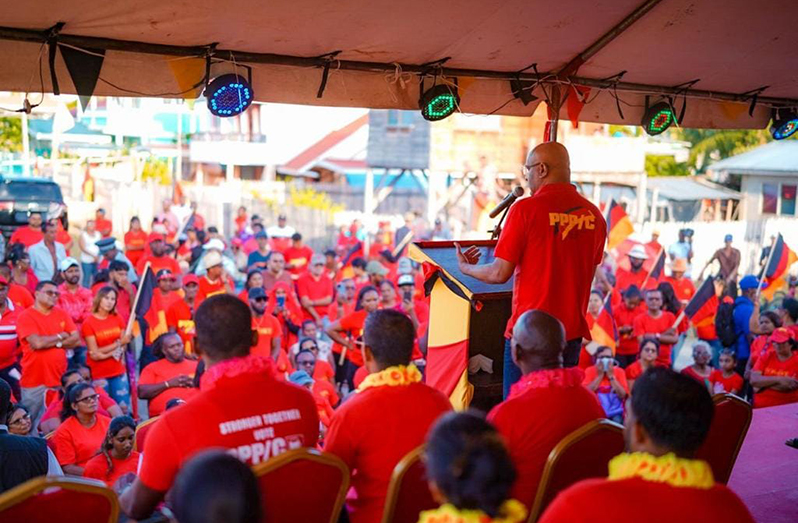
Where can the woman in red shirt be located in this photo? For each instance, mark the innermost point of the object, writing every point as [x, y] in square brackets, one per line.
[117, 457]
[104, 332]
[348, 334]
[135, 241]
[725, 380]
[768, 322]
[775, 375]
[608, 381]
[82, 431]
[254, 279]
[700, 370]
[594, 305]
[284, 306]
[647, 359]
[51, 419]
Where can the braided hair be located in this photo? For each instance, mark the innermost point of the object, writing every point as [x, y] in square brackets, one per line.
[117, 424]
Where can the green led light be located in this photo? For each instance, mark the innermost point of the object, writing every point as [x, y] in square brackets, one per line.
[438, 102]
[658, 118]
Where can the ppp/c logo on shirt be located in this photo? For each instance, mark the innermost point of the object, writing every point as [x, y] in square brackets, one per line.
[567, 221]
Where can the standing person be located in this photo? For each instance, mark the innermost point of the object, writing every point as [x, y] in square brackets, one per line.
[315, 291]
[106, 340]
[388, 417]
[135, 241]
[297, 256]
[30, 234]
[775, 375]
[82, 429]
[700, 370]
[729, 259]
[547, 404]
[10, 370]
[284, 306]
[47, 255]
[636, 275]
[125, 290]
[117, 457]
[682, 287]
[89, 252]
[75, 300]
[45, 333]
[743, 310]
[281, 233]
[235, 386]
[657, 324]
[109, 252]
[624, 316]
[170, 376]
[266, 325]
[103, 226]
[241, 220]
[254, 279]
[168, 218]
[667, 421]
[257, 259]
[180, 315]
[275, 271]
[347, 333]
[215, 280]
[553, 269]
[157, 259]
[21, 272]
[402, 232]
[654, 243]
[649, 352]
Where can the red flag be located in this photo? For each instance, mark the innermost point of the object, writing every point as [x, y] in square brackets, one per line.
[604, 331]
[619, 226]
[781, 259]
[577, 96]
[702, 309]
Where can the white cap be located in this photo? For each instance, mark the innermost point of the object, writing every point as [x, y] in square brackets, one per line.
[67, 263]
[212, 259]
[214, 243]
[406, 279]
[639, 252]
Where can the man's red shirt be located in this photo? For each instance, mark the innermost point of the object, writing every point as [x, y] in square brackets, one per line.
[42, 366]
[20, 296]
[533, 422]
[104, 227]
[78, 304]
[268, 328]
[157, 263]
[208, 288]
[372, 431]
[9, 343]
[645, 324]
[315, 289]
[164, 370]
[27, 236]
[252, 414]
[297, 259]
[625, 317]
[625, 278]
[180, 317]
[683, 287]
[635, 499]
[555, 239]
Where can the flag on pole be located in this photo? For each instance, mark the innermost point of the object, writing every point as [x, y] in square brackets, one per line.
[619, 226]
[777, 270]
[704, 305]
[604, 331]
[658, 269]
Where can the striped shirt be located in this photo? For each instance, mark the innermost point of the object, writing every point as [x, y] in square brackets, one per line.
[9, 344]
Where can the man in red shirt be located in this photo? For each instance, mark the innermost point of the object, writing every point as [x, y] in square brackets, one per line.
[157, 258]
[125, 291]
[215, 280]
[315, 291]
[163, 297]
[547, 404]
[297, 256]
[267, 326]
[9, 343]
[624, 316]
[552, 243]
[667, 420]
[180, 315]
[659, 324]
[74, 299]
[170, 377]
[275, 271]
[388, 416]
[30, 234]
[636, 275]
[240, 407]
[45, 333]
[683, 287]
[103, 226]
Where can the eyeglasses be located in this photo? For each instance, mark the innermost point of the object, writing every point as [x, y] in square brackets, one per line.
[52, 294]
[18, 421]
[262, 298]
[89, 399]
[528, 168]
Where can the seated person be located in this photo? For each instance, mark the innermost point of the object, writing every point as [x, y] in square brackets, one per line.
[700, 370]
[323, 370]
[172, 376]
[667, 420]
[18, 420]
[724, 379]
[238, 393]
[647, 359]
[546, 404]
[388, 417]
[309, 329]
[117, 457]
[197, 498]
[81, 374]
[82, 430]
[608, 381]
[323, 407]
[470, 472]
[306, 361]
[775, 375]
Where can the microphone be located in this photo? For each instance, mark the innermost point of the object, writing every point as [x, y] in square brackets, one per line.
[510, 199]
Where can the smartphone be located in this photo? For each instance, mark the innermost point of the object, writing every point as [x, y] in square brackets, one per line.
[408, 295]
[281, 301]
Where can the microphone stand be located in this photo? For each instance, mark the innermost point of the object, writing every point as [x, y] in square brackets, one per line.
[494, 234]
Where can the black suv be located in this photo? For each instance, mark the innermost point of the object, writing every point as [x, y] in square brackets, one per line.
[21, 196]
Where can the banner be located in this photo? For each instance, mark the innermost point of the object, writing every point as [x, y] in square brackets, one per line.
[84, 68]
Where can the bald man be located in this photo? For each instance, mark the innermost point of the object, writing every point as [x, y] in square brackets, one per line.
[547, 404]
[552, 243]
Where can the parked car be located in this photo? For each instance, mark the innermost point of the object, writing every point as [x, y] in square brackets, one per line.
[21, 196]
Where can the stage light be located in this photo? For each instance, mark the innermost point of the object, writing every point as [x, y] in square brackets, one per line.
[658, 118]
[784, 124]
[228, 95]
[438, 102]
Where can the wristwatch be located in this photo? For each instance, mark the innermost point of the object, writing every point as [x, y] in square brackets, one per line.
[59, 344]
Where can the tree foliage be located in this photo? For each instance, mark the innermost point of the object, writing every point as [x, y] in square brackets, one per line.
[712, 145]
[10, 135]
[665, 165]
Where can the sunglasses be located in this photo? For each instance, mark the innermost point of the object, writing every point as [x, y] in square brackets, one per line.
[89, 399]
[52, 294]
[262, 298]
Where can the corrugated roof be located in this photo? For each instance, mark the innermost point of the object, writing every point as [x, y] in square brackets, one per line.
[774, 158]
[689, 189]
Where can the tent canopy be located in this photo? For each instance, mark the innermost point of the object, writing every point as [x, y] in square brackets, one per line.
[728, 47]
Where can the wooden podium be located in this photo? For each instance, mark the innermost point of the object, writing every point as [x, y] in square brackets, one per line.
[467, 318]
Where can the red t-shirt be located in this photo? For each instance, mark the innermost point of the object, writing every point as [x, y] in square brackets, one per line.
[157, 263]
[163, 370]
[323, 371]
[105, 331]
[105, 402]
[645, 324]
[534, 422]
[26, 236]
[314, 289]
[625, 317]
[42, 366]
[372, 431]
[75, 444]
[268, 328]
[135, 242]
[78, 305]
[180, 318]
[297, 259]
[683, 288]
[625, 278]
[620, 375]
[634, 499]
[103, 226]
[97, 468]
[720, 384]
[9, 343]
[353, 324]
[770, 365]
[555, 239]
[633, 371]
[326, 390]
[252, 414]
[208, 288]
[759, 347]
[20, 296]
[689, 371]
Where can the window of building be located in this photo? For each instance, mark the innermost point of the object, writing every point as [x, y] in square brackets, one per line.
[788, 200]
[770, 198]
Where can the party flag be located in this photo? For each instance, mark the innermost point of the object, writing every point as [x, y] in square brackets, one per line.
[777, 270]
[619, 226]
[604, 331]
[702, 308]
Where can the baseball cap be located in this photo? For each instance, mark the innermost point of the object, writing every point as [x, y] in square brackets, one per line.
[212, 259]
[164, 274]
[404, 265]
[214, 243]
[728, 238]
[255, 293]
[154, 237]
[781, 335]
[405, 279]
[67, 263]
[300, 377]
[750, 282]
[318, 259]
[639, 252]
[190, 278]
[375, 267]
[261, 234]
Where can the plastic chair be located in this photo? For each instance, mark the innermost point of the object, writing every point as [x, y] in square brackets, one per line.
[408, 491]
[726, 435]
[141, 433]
[287, 495]
[583, 454]
[48, 499]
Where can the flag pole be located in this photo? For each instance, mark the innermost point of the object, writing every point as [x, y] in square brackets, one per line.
[767, 266]
[129, 328]
[656, 261]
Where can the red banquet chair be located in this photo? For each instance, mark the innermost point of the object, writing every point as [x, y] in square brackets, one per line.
[48, 499]
[726, 435]
[141, 433]
[283, 482]
[408, 492]
[583, 454]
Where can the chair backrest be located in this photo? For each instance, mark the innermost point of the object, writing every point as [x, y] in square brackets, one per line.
[302, 485]
[583, 454]
[726, 435]
[141, 433]
[48, 499]
[408, 492]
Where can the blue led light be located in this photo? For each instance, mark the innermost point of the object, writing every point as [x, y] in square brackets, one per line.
[228, 95]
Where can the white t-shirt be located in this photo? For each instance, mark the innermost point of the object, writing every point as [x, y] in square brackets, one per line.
[92, 251]
[275, 231]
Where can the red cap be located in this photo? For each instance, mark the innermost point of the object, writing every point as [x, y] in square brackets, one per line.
[190, 278]
[781, 335]
[154, 237]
